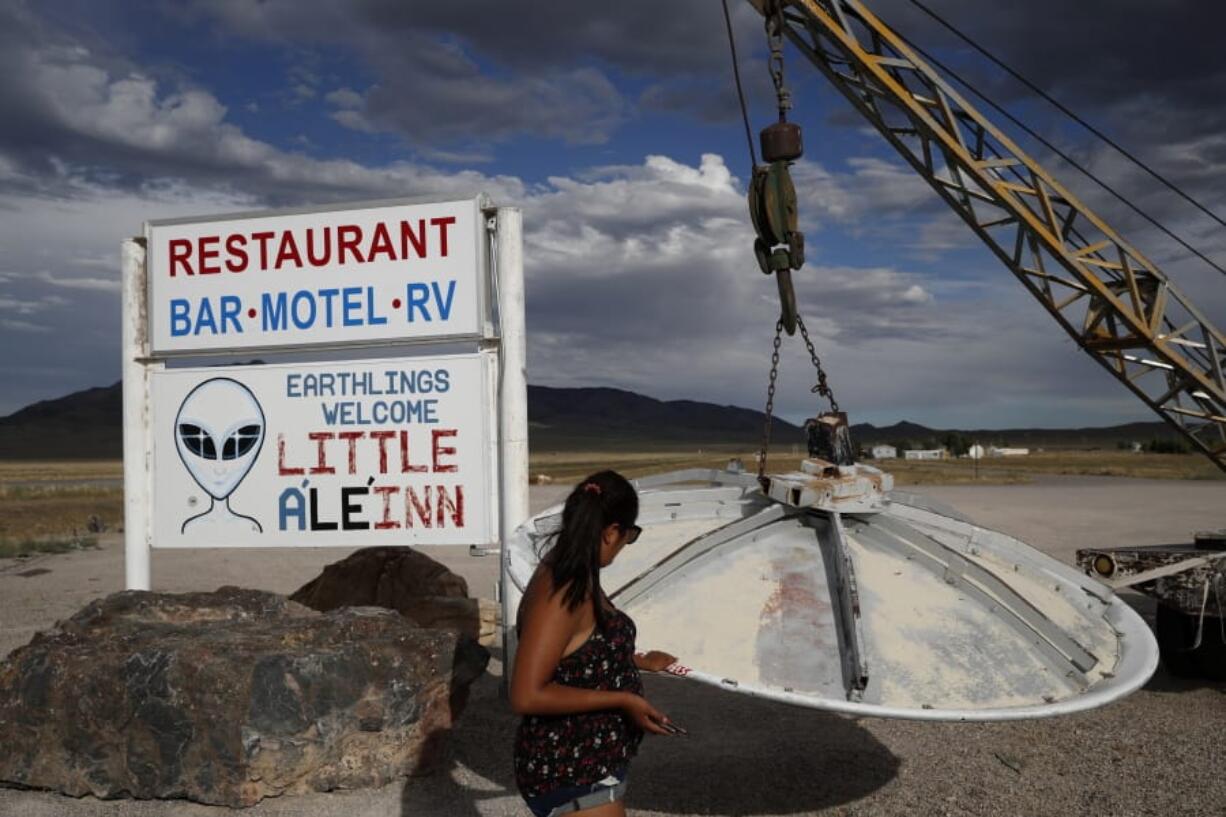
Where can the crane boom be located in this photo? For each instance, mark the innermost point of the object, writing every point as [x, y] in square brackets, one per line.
[1113, 301]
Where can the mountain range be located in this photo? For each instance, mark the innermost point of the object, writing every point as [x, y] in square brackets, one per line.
[88, 424]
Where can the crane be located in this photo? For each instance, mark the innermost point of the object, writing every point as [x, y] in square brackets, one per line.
[1116, 304]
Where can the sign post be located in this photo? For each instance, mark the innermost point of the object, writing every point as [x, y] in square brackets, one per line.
[513, 434]
[136, 442]
[390, 445]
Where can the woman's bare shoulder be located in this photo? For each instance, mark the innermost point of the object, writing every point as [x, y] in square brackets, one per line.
[541, 581]
[541, 592]
[541, 589]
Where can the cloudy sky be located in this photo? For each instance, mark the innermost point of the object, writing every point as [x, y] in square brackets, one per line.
[615, 127]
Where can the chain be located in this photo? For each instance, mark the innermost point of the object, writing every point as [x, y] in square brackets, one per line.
[774, 36]
[822, 387]
[770, 405]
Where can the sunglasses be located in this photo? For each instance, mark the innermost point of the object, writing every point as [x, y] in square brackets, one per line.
[632, 533]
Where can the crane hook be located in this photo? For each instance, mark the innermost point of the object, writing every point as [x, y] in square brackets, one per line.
[779, 246]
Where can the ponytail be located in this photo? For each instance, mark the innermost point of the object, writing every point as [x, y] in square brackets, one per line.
[603, 499]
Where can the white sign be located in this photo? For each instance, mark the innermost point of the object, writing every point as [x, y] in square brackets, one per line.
[379, 273]
[377, 452]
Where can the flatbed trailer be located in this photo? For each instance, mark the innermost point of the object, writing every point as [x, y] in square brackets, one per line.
[1189, 583]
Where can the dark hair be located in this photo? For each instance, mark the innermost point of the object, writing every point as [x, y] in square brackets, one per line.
[605, 498]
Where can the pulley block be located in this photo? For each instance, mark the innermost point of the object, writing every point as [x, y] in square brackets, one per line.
[780, 246]
[772, 203]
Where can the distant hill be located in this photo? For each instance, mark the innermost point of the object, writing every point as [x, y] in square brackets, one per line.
[84, 425]
[1092, 437]
[599, 418]
[89, 425]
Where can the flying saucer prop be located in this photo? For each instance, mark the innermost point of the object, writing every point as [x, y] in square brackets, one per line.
[829, 590]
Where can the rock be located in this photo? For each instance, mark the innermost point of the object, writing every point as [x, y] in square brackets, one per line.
[228, 697]
[381, 577]
[473, 618]
[402, 579]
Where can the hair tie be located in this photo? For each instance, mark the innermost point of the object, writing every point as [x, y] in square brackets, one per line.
[591, 488]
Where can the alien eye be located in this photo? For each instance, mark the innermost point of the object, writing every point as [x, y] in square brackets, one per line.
[198, 441]
[240, 442]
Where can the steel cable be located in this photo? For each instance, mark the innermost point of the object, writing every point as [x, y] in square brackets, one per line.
[736, 73]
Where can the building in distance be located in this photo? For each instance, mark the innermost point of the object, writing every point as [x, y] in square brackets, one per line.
[927, 454]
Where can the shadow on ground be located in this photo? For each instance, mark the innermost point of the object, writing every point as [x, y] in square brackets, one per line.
[742, 756]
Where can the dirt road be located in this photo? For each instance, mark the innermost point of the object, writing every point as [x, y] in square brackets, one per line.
[1159, 752]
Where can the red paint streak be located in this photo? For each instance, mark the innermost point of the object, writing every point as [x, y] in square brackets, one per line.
[347, 238]
[794, 598]
[414, 504]
[352, 438]
[440, 451]
[405, 468]
[283, 469]
[454, 505]
[386, 523]
[321, 437]
[442, 224]
[180, 254]
[382, 437]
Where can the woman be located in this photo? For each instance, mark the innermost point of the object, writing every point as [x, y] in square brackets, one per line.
[576, 678]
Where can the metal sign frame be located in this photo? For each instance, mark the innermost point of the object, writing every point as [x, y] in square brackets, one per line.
[501, 322]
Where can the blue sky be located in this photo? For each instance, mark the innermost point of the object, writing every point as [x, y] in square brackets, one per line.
[616, 129]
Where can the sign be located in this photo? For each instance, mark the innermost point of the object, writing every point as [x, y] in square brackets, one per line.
[380, 273]
[377, 452]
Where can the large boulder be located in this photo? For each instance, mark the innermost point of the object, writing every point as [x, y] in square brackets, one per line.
[228, 697]
[407, 581]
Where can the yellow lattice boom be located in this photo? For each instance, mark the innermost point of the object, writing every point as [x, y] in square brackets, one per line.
[1112, 300]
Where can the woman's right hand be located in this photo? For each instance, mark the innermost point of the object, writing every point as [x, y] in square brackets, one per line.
[644, 715]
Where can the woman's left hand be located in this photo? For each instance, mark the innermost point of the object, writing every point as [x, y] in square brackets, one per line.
[655, 660]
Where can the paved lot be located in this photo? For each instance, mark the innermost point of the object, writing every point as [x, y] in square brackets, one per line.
[1161, 751]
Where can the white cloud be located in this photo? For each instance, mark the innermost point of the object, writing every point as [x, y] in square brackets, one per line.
[20, 307]
[124, 129]
[640, 276]
[643, 277]
[354, 120]
[345, 98]
[70, 282]
[22, 326]
[31, 306]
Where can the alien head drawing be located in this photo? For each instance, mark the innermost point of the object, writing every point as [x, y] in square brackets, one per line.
[219, 432]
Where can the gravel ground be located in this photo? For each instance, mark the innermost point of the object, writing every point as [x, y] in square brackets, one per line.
[1161, 751]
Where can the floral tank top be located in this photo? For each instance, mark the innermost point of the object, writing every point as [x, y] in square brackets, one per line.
[552, 751]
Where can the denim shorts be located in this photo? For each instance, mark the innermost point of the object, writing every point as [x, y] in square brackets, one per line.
[575, 798]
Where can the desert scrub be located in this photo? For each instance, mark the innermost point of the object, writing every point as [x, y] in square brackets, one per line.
[34, 512]
[10, 548]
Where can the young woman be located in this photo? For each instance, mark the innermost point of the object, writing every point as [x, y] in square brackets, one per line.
[576, 677]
